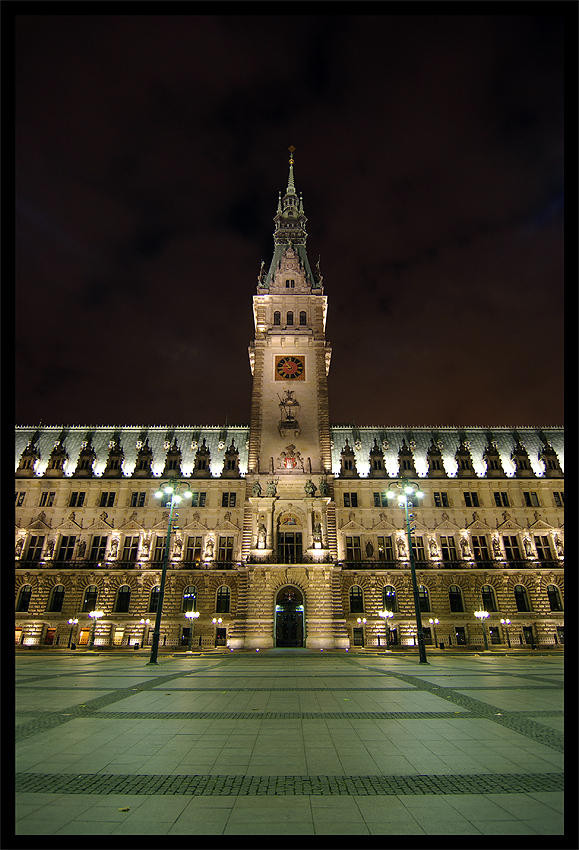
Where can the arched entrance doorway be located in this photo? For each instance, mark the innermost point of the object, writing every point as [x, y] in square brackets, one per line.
[289, 617]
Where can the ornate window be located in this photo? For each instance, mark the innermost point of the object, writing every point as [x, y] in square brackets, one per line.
[56, 599]
[277, 318]
[89, 602]
[385, 548]
[455, 598]
[154, 599]
[389, 598]
[522, 598]
[189, 598]
[303, 318]
[35, 548]
[488, 598]
[123, 599]
[130, 548]
[289, 318]
[448, 548]
[66, 548]
[98, 548]
[24, 595]
[555, 603]
[356, 600]
[353, 549]
[423, 598]
[543, 551]
[223, 600]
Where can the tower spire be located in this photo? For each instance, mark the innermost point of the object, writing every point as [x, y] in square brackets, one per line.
[290, 183]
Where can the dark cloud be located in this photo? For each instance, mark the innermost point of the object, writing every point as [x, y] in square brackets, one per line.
[150, 153]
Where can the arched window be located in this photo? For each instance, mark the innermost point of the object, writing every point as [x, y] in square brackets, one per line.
[277, 318]
[89, 603]
[488, 598]
[356, 600]
[290, 318]
[389, 598]
[303, 318]
[423, 598]
[123, 599]
[455, 598]
[223, 600]
[154, 599]
[521, 598]
[189, 598]
[24, 598]
[554, 595]
[56, 598]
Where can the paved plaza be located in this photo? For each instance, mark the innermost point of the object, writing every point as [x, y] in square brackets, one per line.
[288, 742]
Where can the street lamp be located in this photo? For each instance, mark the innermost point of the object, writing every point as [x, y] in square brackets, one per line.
[145, 624]
[506, 624]
[72, 624]
[434, 625]
[191, 616]
[361, 623]
[176, 490]
[95, 615]
[482, 616]
[408, 495]
[386, 617]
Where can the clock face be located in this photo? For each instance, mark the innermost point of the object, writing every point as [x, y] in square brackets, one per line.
[290, 368]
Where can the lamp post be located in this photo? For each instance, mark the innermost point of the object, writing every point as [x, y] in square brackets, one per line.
[408, 495]
[191, 616]
[434, 623]
[145, 624]
[72, 624]
[506, 624]
[361, 623]
[386, 617]
[95, 615]
[482, 616]
[176, 490]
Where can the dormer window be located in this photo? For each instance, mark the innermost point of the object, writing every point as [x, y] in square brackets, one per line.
[290, 284]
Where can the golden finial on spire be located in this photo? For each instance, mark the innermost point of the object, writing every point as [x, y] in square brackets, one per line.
[291, 149]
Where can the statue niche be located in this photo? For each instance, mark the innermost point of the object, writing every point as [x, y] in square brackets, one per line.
[289, 409]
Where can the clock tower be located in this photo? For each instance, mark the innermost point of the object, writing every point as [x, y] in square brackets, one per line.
[289, 357]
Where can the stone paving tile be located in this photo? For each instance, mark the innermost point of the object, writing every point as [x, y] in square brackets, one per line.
[417, 750]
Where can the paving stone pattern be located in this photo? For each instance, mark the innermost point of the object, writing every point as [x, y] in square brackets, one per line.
[391, 723]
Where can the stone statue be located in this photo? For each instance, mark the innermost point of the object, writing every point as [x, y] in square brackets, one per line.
[324, 487]
[310, 488]
[81, 549]
[464, 547]
[19, 545]
[271, 488]
[146, 545]
[209, 549]
[317, 532]
[178, 547]
[558, 545]
[114, 547]
[401, 546]
[256, 489]
[261, 536]
[528, 549]
[496, 548]
[369, 550]
[49, 548]
[432, 547]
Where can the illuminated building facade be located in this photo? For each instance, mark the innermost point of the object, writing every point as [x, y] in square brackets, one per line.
[289, 538]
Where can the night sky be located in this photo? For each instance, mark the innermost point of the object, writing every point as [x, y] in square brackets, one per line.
[150, 150]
